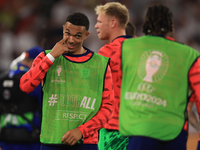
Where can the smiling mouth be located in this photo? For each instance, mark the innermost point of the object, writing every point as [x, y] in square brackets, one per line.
[70, 46]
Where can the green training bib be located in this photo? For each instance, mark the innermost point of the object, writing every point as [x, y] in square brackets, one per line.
[154, 87]
[72, 95]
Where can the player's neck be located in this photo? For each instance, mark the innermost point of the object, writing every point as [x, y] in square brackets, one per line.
[116, 33]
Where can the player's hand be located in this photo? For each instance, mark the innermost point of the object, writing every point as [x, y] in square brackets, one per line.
[72, 136]
[59, 48]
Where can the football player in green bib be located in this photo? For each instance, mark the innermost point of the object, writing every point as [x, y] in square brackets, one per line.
[156, 77]
[77, 90]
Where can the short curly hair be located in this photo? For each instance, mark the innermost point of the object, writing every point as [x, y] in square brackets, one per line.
[130, 29]
[78, 19]
[158, 20]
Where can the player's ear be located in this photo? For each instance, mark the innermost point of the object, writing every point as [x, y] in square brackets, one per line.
[113, 23]
[63, 28]
[87, 33]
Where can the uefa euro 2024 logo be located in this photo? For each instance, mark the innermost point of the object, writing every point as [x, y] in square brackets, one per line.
[59, 70]
[153, 65]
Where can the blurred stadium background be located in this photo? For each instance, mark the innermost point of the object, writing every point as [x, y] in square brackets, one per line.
[27, 23]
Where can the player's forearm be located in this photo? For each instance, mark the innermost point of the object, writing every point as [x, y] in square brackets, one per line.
[31, 79]
[98, 121]
[106, 110]
[193, 120]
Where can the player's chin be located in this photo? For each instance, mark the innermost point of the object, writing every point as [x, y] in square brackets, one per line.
[100, 37]
[70, 51]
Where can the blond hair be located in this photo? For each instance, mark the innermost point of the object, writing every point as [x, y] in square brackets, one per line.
[115, 9]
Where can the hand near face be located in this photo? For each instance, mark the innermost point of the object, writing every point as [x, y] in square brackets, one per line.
[72, 136]
[59, 48]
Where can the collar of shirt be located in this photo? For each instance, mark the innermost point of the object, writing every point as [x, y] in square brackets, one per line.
[123, 36]
[80, 58]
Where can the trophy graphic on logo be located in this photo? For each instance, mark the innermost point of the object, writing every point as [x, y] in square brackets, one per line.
[153, 64]
[59, 70]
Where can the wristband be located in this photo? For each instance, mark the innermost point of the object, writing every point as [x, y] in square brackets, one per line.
[51, 58]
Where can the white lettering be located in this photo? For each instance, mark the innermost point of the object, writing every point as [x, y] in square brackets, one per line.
[146, 87]
[88, 103]
[145, 97]
[133, 95]
[73, 116]
[84, 100]
[164, 103]
[137, 96]
[92, 107]
[72, 101]
[80, 116]
[53, 99]
[159, 101]
[127, 95]
[148, 98]
[64, 115]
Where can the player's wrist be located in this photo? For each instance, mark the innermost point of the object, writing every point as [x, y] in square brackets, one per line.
[51, 58]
